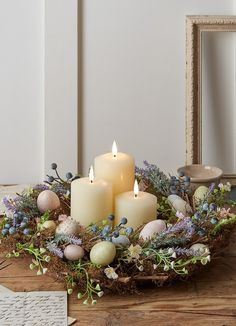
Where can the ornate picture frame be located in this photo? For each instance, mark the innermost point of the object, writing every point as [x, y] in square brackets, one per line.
[195, 26]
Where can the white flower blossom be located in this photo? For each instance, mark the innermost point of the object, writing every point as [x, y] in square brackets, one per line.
[166, 268]
[179, 215]
[45, 270]
[154, 266]
[226, 187]
[172, 264]
[100, 294]
[135, 251]
[174, 255]
[42, 250]
[110, 273]
[141, 268]
[170, 251]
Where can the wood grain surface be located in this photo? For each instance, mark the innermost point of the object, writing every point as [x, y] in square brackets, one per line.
[209, 299]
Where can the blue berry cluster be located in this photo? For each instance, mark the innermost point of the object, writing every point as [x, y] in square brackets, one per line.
[108, 232]
[206, 214]
[19, 223]
[57, 178]
[180, 185]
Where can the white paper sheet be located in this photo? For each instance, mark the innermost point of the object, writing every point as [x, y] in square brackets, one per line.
[33, 308]
[3, 289]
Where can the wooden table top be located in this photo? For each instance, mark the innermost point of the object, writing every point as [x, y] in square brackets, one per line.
[209, 299]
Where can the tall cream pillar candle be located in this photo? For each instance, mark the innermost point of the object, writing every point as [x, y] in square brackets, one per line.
[91, 199]
[138, 207]
[116, 167]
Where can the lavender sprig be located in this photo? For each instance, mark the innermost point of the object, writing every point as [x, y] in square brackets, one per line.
[10, 203]
[53, 248]
[155, 176]
[184, 251]
[186, 225]
[62, 238]
[168, 242]
[41, 187]
[59, 188]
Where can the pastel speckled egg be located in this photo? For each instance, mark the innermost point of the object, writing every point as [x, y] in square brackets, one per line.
[202, 249]
[47, 201]
[152, 228]
[121, 240]
[103, 253]
[179, 204]
[73, 252]
[200, 193]
[49, 225]
[68, 227]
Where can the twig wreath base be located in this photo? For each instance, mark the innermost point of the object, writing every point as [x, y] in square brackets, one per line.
[190, 240]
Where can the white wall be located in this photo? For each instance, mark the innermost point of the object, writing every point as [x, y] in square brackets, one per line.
[61, 89]
[21, 90]
[38, 88]
[134, 76]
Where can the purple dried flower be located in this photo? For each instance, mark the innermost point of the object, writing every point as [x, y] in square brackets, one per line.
[59, 188]
[185, 225]
[184, 251]
[63, 238]
[53, 248]
[41, 187]
[74, 240]
[212, 187]
[10, 203]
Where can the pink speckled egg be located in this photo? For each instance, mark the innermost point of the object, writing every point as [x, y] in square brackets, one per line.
[73, 252]
[68, 227]
[152, 228]
[47, 201]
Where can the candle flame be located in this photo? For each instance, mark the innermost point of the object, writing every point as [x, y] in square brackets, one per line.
[91, 174]
[114, 149]
[136, 188]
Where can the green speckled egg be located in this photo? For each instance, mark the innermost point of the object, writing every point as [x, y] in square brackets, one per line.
[103, 253]
[200, 193]
[49, 225]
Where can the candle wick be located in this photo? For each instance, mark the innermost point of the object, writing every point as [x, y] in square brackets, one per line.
[91, 181]
[135, 195]
[114, 155]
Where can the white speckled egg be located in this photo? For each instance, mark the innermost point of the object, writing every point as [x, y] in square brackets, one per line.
[179, 204]
[68, 227]
[202, 249]
[49, 225]
[121, 240]
[73, 252]
[47, 201]
[103, 253]
[200, 193]
[152, 228]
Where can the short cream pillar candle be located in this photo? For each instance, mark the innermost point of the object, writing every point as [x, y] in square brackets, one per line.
[91, 199]
[116, 167]
[138, 207]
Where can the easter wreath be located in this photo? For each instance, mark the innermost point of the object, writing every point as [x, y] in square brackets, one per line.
[184, 241]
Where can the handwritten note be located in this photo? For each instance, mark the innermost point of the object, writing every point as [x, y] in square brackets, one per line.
[33, 308]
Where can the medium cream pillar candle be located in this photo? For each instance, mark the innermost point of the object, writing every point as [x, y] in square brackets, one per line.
[116, 167]
[91, 199]
[138, 207]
